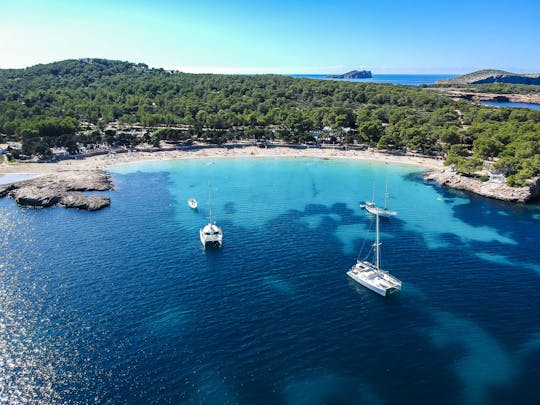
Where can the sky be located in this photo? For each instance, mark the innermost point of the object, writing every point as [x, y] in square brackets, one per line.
[281, 36]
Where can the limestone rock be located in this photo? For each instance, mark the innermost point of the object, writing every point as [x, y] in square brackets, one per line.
[84, 202]
[448, 177]
[63, 188]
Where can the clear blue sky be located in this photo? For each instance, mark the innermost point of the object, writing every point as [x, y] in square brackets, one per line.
[283, 36]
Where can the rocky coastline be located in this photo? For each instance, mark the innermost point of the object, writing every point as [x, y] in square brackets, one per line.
[448, 177]
[478, 97]
[62, 189]
[514, 98]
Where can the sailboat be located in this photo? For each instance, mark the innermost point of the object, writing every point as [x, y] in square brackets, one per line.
[370, 206]
[211, 234]
[371, 276]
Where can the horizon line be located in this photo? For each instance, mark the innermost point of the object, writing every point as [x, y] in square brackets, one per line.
[299, 70]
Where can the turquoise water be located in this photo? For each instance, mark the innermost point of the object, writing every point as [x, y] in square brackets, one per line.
[510, 104]
[403, 79]
[124, 306]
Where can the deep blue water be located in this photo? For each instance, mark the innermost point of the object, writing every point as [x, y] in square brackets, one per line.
[123, 306]
[404, 79]
[510, 104]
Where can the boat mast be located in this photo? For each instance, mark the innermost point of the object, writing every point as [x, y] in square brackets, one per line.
[386, 193]
[210, 201]
[377, 244]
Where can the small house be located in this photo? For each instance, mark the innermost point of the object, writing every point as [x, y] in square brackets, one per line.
[60, 153]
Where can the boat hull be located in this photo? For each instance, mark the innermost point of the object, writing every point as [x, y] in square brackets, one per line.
[377, 281]
[372, 209]
[213, 239]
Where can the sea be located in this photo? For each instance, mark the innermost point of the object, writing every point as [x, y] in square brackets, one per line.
[403, 79]
[511, 104]
[14, 177]
[123, 305]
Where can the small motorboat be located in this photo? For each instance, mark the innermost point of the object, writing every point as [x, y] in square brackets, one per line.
[192, 202]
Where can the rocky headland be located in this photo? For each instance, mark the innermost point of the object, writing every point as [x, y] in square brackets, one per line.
[61, 188]
[448, 177]
[494, 76]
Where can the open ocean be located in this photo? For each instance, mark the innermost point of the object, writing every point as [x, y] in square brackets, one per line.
[124, 306]
[403, 79]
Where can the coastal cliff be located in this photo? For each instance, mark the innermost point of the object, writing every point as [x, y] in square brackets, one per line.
[63, 189]
[353, 74]
[494, 76]
[450, 178]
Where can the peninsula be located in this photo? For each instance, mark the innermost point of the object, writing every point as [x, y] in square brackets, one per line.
[493, 76]
[62, 188]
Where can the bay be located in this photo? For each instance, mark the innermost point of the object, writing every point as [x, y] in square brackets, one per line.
[511, 104]
[123, 305]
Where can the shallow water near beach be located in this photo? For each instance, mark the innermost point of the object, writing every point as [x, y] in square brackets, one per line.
[14, 177]
[124, 306]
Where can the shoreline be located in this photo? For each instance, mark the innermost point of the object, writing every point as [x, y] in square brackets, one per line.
[103, 162]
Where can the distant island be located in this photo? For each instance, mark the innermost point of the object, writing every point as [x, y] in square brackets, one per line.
[487, 76]
[353, 74]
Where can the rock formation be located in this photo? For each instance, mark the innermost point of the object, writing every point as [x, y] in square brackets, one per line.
[353, 74]
[450, 178]
[63, 188]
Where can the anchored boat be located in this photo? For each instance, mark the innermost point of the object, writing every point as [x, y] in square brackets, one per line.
[371, 276]
[211, 234]
[370, 206]
[192, 202]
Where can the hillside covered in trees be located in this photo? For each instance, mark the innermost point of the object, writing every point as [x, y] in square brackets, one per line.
[44, 106]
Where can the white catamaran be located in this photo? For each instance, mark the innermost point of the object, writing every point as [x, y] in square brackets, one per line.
[370, 206]
[371, 276]
[211, 234]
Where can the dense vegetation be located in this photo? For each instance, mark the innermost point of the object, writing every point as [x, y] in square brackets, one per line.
[44, 106]
[509, 138]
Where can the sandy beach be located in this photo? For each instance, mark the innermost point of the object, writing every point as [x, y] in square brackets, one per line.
[105, 161]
